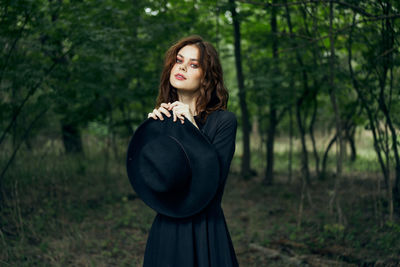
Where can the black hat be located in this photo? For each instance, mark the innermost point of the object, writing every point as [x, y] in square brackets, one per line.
[173, 167]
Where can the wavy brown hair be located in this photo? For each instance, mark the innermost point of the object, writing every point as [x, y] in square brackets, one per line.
[213, 94]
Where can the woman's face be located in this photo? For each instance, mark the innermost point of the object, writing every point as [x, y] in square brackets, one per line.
[186, 73]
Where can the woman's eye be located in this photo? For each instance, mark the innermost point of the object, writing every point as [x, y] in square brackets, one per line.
[178, 60]
[195, 66]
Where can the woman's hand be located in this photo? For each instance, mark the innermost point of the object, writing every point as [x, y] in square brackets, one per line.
[164, 107]
[180, 111]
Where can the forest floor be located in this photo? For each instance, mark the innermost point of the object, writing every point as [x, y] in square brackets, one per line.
[62, 211]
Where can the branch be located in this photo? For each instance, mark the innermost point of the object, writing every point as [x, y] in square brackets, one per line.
[353, 7]
[30, 93]
[339, 31]
[23, 139]
[276, 254]
[13, 46]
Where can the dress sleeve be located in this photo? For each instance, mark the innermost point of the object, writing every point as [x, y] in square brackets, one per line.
[224, 141]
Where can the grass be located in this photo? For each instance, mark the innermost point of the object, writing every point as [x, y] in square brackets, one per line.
[61, 210]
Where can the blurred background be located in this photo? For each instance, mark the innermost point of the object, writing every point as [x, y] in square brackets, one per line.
[315, 86]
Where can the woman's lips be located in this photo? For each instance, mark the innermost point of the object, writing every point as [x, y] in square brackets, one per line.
[180, 77]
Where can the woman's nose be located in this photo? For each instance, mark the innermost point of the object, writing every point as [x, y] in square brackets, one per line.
[182, 67]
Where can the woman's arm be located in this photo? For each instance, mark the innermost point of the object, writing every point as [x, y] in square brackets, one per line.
[225, 140]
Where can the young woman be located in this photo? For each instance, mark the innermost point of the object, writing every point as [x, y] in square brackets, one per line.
[192, 89]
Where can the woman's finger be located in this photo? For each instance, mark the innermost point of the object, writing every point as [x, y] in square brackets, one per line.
[163, 110]
[152, 115]
[181, 111]
[158, 114]
[178, 109]
[181, 118]
[164, 105]
[176, 103]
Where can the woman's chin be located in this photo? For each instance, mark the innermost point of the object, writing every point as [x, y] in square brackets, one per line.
[182, 86]
[178, 84]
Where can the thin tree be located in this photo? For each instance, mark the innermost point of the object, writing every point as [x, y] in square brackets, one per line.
[339, 144]
[246, 158]
[273, 121]
[299, 103]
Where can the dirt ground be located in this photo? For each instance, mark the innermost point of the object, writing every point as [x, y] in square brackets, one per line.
[88, 217]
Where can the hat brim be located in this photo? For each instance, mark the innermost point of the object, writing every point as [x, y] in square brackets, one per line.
[203, 162]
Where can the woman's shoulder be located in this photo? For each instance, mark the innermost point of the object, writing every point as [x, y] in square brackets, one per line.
[226, 114]
[226, 117]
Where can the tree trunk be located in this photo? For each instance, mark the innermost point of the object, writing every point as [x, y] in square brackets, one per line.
[366, 107]
[311, 131]
[350, 136]
[217, 26]
[305, 171]
[387, 64]
[71, 137]
[269, 173]
[290, 142]
[316, 85]
[245, 168]
[325, 157]
[304, 157]
[339, 144]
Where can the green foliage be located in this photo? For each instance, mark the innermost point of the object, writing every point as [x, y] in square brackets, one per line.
[333, 231]
[95, 66]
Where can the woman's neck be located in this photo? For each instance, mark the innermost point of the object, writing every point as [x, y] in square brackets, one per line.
[188, 98]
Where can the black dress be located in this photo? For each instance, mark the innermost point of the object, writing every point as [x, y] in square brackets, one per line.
[201, 240]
